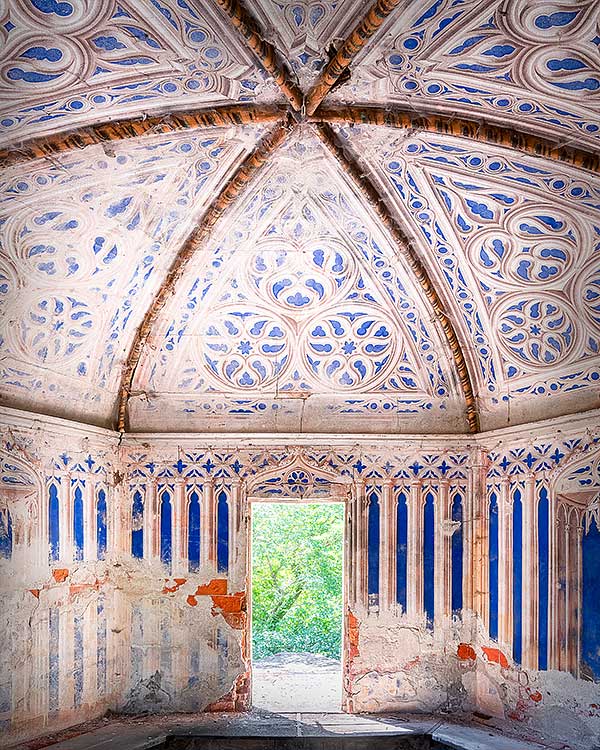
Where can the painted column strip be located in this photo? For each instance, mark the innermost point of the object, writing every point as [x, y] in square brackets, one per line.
[235, 521]
[90, 651]
[89, 520]
[578, 618]
[150, 520]
[208, 528]
[553, 600]
[66, 518]
[414, 583]
[443, 555]
[387, 548]
[529, 624]
[505, 568]
[479, 566]
[66, 659]
[179, 528]
[360, 547]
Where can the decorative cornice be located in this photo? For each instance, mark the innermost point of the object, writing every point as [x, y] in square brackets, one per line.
[564, 426]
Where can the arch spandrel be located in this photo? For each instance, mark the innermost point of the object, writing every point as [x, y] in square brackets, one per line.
[298, 480]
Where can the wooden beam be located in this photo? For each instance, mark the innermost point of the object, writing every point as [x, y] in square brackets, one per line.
[264, 51]
[118, 130]
[222, 201]
[475, 130]
[361, 34]
[409, 254]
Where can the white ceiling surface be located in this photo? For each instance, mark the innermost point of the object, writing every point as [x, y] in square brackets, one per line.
[299, 313]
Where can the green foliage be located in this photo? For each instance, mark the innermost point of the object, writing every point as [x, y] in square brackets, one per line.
[297, 578]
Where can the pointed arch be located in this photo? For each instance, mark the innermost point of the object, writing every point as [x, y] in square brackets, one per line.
[22, 507]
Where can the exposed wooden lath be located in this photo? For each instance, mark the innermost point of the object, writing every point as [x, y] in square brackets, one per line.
[473, 129]
[89, 135]
[246, 171]
[409, 254]
[361, 34]
[264, 51]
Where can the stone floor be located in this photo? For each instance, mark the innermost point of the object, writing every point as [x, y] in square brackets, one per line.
[144, 733]
[289, 682]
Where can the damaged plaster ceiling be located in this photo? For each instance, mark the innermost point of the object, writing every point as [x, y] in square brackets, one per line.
[239, 275]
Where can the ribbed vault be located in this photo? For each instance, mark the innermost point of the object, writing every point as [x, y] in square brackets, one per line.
[300, 216]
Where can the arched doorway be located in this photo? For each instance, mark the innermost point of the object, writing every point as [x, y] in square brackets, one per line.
[308, 678]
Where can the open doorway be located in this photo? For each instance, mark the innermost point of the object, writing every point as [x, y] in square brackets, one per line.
[297, 563]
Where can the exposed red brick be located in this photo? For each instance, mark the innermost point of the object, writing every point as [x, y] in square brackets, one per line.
[171, 589]
[244, 647]
[353, 635]
[232, 607]
[537, 696]
[35, 592]
[519, 713]
[412, 663]
[60, 574]
[216, 586]
[466, 651]
[496, 656]
[192, 601]
[237, 699]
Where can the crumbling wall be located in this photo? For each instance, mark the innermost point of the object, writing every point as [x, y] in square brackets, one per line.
[532, 672]
[399, 665]
[61, 648]
[159, 621]
[185, 643]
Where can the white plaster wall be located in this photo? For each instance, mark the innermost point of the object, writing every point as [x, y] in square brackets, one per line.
[178, 641]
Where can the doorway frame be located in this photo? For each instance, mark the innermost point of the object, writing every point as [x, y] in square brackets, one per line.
[341, 491]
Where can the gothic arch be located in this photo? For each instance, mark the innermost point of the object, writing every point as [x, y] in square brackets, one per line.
[299, 479]
[21, 498]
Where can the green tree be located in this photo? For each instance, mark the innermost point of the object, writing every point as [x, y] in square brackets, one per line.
[297, 554]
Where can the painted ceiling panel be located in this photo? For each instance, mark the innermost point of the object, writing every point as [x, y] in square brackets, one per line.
[84, 243]
[81, 61]
[308, 31]
[300, 313]
[513, 61]
[514, 243]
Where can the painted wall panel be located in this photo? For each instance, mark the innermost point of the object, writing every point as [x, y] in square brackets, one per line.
[373, 511]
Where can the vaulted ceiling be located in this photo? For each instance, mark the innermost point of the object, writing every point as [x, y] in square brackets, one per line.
[300, 215]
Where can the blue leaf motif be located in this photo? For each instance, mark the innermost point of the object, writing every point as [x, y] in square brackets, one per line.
[298, 300]
[258, 327]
